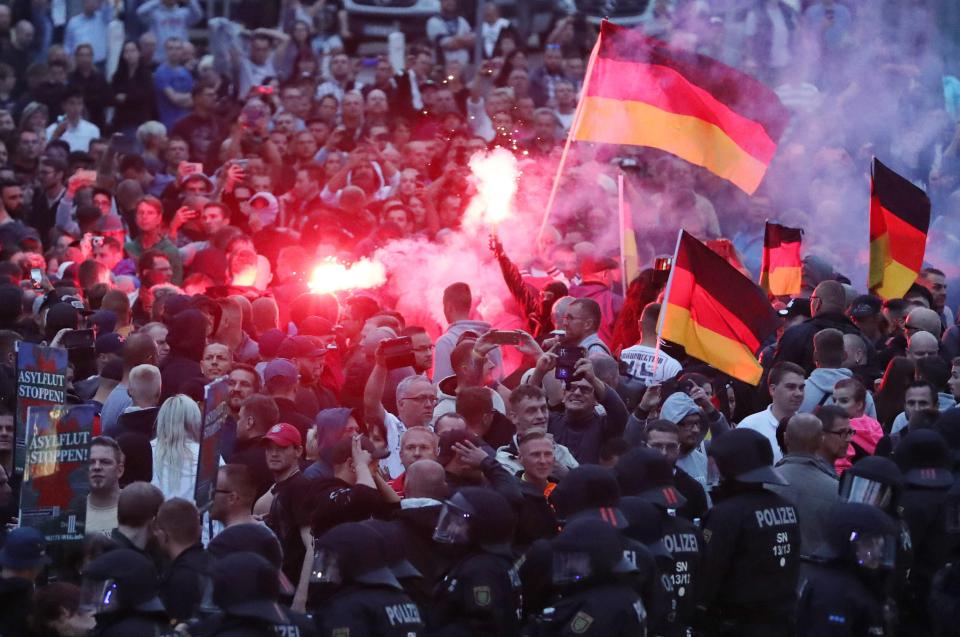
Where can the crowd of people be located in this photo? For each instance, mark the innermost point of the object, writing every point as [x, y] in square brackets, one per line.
[541, 465]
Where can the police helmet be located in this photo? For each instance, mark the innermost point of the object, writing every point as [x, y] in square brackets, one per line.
[587, 549]
[246, 585]
[255, 538]
[873, 480]
[589, 491]
[745, 455]
[392, 542]
[647, 473]
[477, 516]
[120, 580]
[351, 553]
[861, 535]
[644, 523]
[924, 459]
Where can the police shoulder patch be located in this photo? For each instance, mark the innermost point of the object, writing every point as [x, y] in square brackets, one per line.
[580, 623]
[340, 632]
[482, 596]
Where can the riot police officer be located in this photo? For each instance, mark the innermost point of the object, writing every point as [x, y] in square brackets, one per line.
[480, 594]
[844, 586]
[121, 588]
[751, 544]
[593, 491]
[587, 571]
[391, 538]
[246, 588]
[360, 595]
[649, 474]
[924, 459]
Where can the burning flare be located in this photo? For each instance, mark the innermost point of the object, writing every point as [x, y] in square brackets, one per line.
[331, 275]
[495, 177]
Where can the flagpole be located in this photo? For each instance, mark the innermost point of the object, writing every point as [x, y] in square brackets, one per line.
[566, 145]
[623, 232]
[666, 299]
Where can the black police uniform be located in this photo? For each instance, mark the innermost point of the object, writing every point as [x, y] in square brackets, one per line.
[877, 481]
[924, 459]
[358, 594]
[182, 583]
[839, 595]
[480, 595]
[125, 583]
[751, 544]
[411, 580]
[646, 524]
[246, 589]
[649, 475]
[592, 578]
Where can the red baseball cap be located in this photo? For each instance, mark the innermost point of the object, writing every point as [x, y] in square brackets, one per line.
[283, 435]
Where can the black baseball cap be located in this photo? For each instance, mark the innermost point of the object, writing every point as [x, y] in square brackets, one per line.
[796, 307]
[865, 306]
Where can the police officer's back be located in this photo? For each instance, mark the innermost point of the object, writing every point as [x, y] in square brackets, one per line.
[355, 591]
[411, 580]
[588, 570]
[121, 588]
[844, 584]
[246, 589]
[751, 543]
[649, 474]
[924, 459]
[480, 594]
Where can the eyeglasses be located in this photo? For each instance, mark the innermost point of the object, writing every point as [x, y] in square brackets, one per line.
[422, 399]
[843, 433]
[580, 389]
[664, 447]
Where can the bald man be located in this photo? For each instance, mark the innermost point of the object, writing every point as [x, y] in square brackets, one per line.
[827, 305]
[921, 318]
[812, 484]
[922, 344]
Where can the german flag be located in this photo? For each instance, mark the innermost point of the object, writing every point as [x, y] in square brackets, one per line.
[640, 91]
[780, 268]
[899, 218]
[717, 314]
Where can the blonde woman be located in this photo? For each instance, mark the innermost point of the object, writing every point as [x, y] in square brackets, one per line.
[176, 447]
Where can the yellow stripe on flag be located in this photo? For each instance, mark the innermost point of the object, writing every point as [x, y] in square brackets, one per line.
[725, 354]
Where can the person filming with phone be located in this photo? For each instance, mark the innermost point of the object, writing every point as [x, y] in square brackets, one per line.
[579, 427]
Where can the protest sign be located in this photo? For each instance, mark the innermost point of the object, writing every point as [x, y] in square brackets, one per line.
[215, 413]
[53, 498]
[41, 381]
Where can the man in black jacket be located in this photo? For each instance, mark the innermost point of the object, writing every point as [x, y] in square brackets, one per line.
[182, 582]
[579, 427]
[827, 304]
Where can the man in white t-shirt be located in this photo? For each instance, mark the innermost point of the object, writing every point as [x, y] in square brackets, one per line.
[643, 360]
[105, 468]
[786, 383]
[416, 398]
[451, 33]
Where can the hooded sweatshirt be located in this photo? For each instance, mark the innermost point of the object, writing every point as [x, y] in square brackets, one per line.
[676, 407]
[446, 343]
[187, 337]
[818, 390]
[330, 426]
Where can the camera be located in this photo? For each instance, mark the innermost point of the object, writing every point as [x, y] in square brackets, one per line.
[97, 242]
[567, 358]
[397, 352]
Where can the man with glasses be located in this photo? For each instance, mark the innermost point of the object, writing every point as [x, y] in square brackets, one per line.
[416, 399]
[827, 305]
[812, 487]
[664, 437]
[837, 433]
[579, 427]
[581, 323]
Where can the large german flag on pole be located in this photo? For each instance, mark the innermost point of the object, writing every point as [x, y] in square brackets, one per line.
[899, 218]
[716, 313]
[780, 267]
[642, 92]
